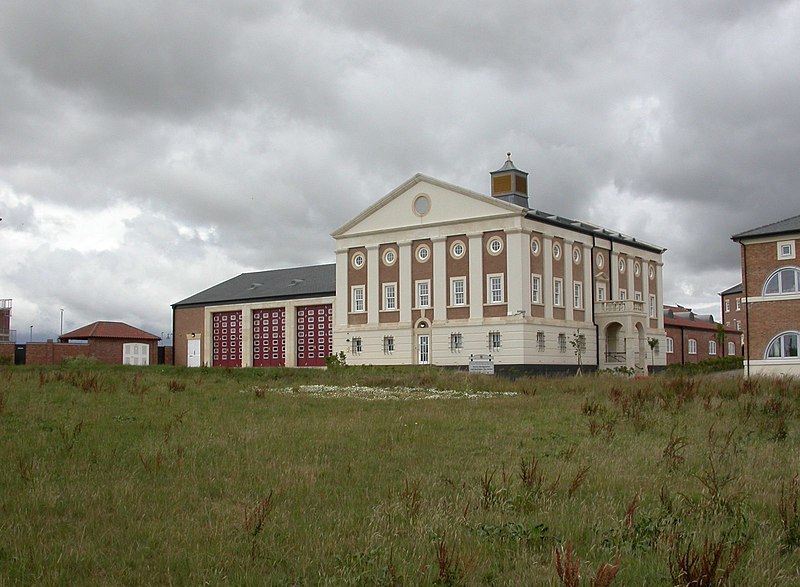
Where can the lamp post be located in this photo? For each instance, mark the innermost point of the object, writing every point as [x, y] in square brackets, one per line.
[31, 337]
[62, 321]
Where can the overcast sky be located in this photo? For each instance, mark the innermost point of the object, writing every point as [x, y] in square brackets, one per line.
[151, 149]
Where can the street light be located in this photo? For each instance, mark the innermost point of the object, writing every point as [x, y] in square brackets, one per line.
[31, 338]
[62, 321]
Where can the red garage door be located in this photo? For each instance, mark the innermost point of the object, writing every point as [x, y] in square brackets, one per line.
[314, 335]
[227, 339]
[269, 338]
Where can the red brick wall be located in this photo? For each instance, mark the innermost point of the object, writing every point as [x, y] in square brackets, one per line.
[7, 350]
[680, 337]
[168, 355]
[766, 319]
[187, 321]
[107, 351]
[730, 317]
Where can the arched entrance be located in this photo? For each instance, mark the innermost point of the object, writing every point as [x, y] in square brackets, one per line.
[422, 342]
[615, 351]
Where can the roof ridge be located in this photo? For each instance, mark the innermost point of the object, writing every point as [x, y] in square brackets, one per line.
[768, 224]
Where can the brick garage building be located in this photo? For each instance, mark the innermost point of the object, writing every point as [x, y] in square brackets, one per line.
[771, 297]
[112, 343]
[692, 338]
[260, 319]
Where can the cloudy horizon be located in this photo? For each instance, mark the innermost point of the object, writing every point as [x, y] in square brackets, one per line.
[150, 150]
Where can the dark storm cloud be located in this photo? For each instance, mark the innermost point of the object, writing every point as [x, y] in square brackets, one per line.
[224, 134]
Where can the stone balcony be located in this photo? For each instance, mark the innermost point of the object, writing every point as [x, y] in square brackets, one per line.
[620, 308]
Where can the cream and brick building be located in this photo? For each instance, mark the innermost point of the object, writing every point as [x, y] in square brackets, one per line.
[433, 273]
[770, 297]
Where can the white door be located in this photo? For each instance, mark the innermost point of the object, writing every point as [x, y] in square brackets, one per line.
[424, 349]
[134, 353]
[193, 353]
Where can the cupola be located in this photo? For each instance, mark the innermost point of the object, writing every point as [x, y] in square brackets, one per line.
[510, 184]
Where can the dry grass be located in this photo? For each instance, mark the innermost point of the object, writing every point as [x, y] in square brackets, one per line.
[156, 475]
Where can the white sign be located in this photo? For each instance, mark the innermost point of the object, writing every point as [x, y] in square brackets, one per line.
[482, 364]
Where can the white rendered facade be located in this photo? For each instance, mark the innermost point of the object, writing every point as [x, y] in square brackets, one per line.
[501, 279]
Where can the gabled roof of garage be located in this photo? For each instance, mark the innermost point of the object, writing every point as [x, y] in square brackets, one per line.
[277, 284]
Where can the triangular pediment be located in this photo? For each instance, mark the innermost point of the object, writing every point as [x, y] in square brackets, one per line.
[448, 204]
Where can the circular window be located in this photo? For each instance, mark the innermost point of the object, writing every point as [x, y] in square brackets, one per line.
[621, 265]
[556, 251]
[535, 246]
[576, 255]
[637, 268]
[358, 260]
[600, 260]
[652, 272]
[423, 253]
[494, 246]
[389, 257]
[457, 249]
[422, 205]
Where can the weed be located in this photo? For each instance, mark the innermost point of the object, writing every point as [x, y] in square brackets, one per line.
[411, 496]
[713, 479]
[749, 386]
[630, 511]
[452, 568]
[176, 385]
[488, 492]
[25, 469]
[68, 437]
[153, 464]
[673, 452]
[530, 475]
[578, 480]
[605, 574]
[787, 510]
[137, 386]
[590, 408]
[705, 567]
[253, 521]
[677, 391]
[567, 567]
[605, 426]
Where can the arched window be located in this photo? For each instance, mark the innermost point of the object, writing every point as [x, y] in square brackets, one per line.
[783, 346]
[784, 281]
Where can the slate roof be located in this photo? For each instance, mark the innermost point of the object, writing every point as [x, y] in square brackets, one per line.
[276, 284]
[780, 227]
[106, 329]
[592, 229]
[689, 319]
[732, 290]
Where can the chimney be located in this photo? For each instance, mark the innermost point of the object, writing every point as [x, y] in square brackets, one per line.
[510, 184]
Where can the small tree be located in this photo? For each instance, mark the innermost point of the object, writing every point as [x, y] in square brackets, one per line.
[653, 344]
[578, 343]
[719, 336]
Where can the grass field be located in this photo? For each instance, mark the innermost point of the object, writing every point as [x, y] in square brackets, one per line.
[368, 476]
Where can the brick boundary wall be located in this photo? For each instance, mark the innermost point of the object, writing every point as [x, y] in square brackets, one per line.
[106, 351]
